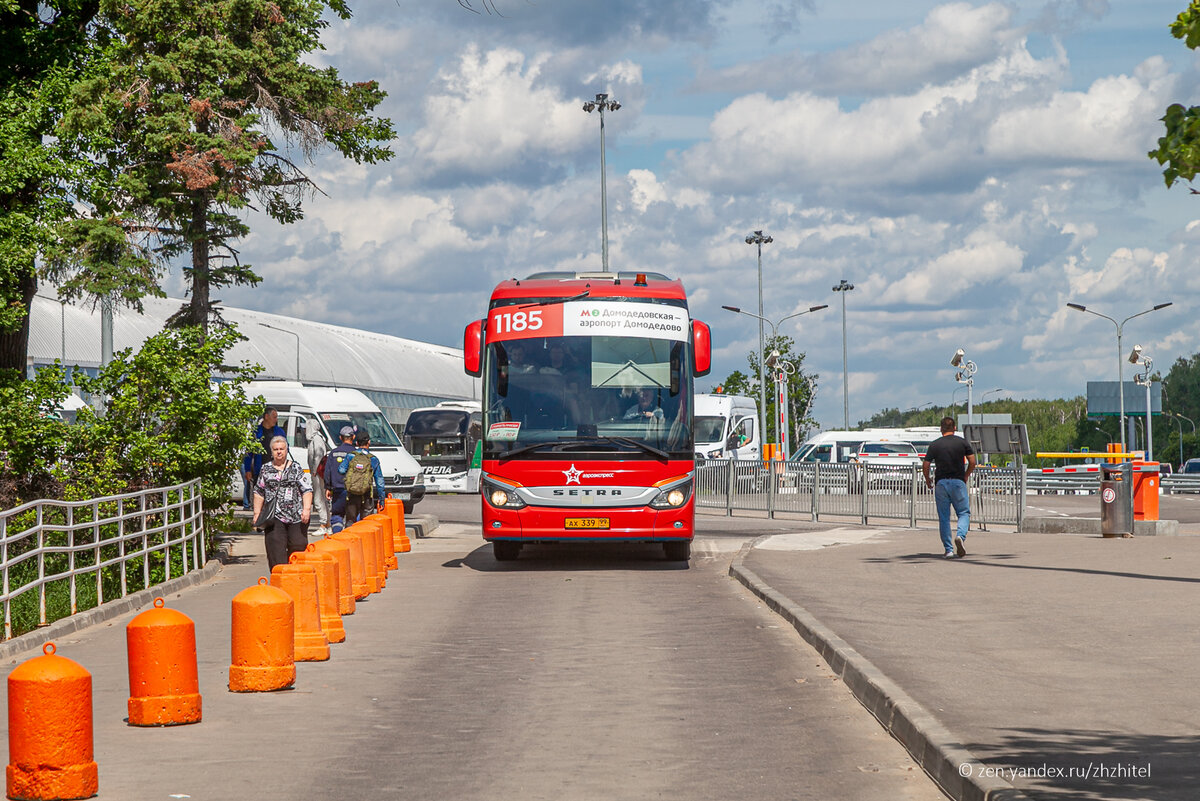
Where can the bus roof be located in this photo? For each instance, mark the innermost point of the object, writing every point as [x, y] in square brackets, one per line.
[598, 285]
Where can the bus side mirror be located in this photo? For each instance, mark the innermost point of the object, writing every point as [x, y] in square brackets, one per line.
[701, 348]
[473, 349]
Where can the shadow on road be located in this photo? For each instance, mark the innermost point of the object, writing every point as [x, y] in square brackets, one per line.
[574, 557]
[1085, 764]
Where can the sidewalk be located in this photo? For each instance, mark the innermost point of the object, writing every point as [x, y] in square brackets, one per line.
[1058, 665]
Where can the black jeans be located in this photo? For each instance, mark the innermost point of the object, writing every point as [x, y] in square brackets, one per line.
[357, 507]
[283, 540]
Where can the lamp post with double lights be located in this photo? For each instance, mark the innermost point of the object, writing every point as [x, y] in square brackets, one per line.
[1143, 380]
[965, 375]
[759, 239]
[1120, 356]
[297, 336]
[602, 103]
[844, 287]
[774, 334]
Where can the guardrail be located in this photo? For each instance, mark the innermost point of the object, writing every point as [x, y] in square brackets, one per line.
[46, 546]
[865, 491]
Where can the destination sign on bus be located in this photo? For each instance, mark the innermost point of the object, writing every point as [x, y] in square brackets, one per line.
[588, 318]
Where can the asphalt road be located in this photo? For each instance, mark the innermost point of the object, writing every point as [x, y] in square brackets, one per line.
[605, 673]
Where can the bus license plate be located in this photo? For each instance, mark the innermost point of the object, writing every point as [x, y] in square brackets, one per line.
[587, 522]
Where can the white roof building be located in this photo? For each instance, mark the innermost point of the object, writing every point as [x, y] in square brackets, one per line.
[397, 374]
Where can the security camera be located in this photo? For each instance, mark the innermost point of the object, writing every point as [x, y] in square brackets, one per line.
[958, 358]
[1135, 355]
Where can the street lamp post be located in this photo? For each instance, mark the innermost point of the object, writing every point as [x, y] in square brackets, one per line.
[844, 287]
[1120, 356]
[774, 333]
[1179, 423]
[602, 104]
[965, 375]
[1143, 380]
[758, 239]
[297, 336]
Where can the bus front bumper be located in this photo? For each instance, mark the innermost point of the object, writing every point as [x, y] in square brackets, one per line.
[575, 524]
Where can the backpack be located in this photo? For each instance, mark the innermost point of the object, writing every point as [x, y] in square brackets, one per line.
[360, 475]
[321, 465]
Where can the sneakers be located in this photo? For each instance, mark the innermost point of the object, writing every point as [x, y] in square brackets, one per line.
[948, 555]
[960, 547]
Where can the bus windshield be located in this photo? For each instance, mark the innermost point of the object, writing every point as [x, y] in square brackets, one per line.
[574, 394]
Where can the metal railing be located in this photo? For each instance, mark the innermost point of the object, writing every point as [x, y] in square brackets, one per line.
[139, 538]
[851, 490]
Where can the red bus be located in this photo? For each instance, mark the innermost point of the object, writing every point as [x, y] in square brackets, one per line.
[587, 410]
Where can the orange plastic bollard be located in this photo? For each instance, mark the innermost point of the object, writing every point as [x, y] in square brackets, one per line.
[263, 641]
[340, 551]
[163, 686]
[358, 562]
[374, 529]
[327, 591]
[387, 541]
[394, 508]
[300, 582]
[370, 546]
[50, 729]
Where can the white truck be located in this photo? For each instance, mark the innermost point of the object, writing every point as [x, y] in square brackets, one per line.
[726, 426]
[306, 411]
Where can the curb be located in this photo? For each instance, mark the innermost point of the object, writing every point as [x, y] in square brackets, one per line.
[112, 609]
[939, 753]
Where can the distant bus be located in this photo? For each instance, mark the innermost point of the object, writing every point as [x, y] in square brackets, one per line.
[443, 439]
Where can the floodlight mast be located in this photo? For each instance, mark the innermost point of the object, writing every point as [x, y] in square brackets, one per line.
[602, 104]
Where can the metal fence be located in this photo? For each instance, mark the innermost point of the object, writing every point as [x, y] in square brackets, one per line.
[868, 492]
[82, 553]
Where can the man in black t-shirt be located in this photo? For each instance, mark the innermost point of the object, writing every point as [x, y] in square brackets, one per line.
[954, 459]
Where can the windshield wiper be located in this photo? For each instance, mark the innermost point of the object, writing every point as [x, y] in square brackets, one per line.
[641, 445]
[553, 301]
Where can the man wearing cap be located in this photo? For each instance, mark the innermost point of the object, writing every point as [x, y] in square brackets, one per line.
[335, 483]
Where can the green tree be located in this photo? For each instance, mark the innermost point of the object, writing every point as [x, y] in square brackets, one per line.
[1179, 149]
[44, 47]
[189, 123]
[165, 420]
[801, 389]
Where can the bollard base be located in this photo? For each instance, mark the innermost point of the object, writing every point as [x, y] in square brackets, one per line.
[333, 628]
[311, 647]
[37, 782]
[392, 563]
[403, 544]
[261, 678]
[165, 710]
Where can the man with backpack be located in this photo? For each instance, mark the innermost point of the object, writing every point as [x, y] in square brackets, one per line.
[364, 480]
[335, 485]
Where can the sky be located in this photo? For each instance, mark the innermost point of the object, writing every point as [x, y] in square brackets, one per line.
[971, 167]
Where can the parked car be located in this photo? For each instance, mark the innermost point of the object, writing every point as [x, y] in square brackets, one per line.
[1190, 466]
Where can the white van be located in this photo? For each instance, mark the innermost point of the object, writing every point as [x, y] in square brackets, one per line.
[305, 412]
[843, 446]
[726, 426]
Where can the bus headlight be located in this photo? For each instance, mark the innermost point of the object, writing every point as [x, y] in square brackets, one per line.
[673, 496]
[501, 497]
